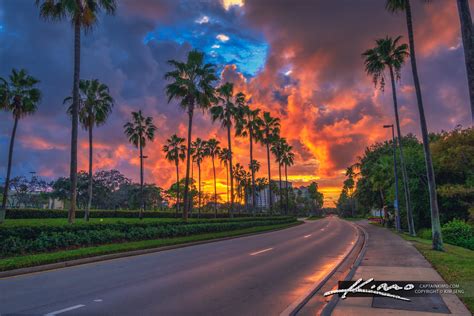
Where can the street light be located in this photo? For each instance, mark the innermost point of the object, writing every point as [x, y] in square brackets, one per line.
[397, 211]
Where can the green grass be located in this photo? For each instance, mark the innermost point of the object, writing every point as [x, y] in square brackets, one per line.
[45, 258]
[455, 264]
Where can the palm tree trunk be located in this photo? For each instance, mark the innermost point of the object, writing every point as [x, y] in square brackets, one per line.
[199, 189]
[188, 163]
[191, 202]
[229, 143]
[215, 187]
[411, 228]
[89, 202]
[9, 167]
[280, 193]
[177, 187]
[140, 213]
[270, 203]
[252, 171]
[468, 44]
[287, 190]
[75, 118]
[435, 223]
[227, 181]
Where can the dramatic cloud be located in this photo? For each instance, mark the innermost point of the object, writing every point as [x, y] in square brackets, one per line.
[299, 60]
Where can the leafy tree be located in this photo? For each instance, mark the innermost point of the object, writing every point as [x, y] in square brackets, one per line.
[83, 17]
[191, 84]
[388, 53]
[95, 106]
[316, 196]
[226, 111]
[175, 151]
[140, 130]
[19, 96]
[404, 5]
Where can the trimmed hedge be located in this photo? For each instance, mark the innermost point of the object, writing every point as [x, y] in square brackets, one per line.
[27, 240]
[45, 213]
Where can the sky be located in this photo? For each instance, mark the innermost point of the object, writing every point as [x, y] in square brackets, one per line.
[300, 60]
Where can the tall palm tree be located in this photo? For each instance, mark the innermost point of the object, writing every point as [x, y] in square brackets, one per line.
[288, 160]
[467, 31]
[140, 130]
[213, 150]
[277, 150]
[19, 96]
[250, 125]
[175, 150]
[83, 15]
[95, 106]
[224, 157]
[226, 111]
[191, 84]
[404, 5]
[199, 153]
[388, 53]
[270, 132]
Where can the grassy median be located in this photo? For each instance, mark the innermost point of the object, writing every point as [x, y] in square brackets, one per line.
[64, 255]
[455, 265]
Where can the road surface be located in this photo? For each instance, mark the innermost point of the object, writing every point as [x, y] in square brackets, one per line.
[255, 275]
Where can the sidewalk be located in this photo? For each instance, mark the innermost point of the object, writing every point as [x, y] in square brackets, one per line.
[391, 258]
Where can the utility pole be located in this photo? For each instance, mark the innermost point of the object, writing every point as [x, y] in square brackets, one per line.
[397, 211]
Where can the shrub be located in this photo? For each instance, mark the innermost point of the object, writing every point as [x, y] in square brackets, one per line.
[45, 213]
[25, 240]
[459, 233]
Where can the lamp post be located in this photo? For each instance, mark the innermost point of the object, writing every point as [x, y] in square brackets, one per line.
[397, 211]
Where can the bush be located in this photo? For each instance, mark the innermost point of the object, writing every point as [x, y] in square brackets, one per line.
[26, 240]
[45, 213]
[455, 232]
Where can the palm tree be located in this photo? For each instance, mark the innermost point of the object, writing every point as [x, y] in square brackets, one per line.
[226, 111]
[270, 132]
[83, 16]
[138, 131]
[175, 151]
[19, 96]
[224, 157]
[261, 184]
[213, 150]
[95, 105]
[199, 153]
[192, 86]
[404, 5]
[468, 44]
[389, 54]
[277, 150]
[250, 125]
[288, 159]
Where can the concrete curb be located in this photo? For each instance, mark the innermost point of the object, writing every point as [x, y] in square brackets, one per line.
[81, 261]
[294, 308]
[328, 309]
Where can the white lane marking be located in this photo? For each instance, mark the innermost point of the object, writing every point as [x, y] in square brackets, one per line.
[65, 310]
[98, 300]
[322, 229]
[306, 236]
[260, 251]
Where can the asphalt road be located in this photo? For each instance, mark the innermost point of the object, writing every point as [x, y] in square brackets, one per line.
[255, 275]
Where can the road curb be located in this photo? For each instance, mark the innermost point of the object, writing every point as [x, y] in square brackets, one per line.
[124, 254]
[296, 306]
[328, 309]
